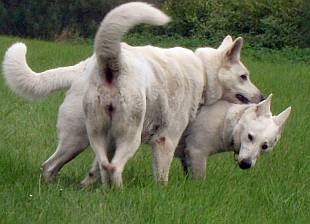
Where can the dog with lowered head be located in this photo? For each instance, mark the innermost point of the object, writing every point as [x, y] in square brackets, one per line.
[248, 130]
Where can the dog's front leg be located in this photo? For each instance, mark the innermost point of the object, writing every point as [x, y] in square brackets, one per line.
[163, 149]
[198, 162]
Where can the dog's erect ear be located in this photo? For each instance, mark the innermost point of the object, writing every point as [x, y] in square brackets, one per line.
[226, 43]
[232, 53]
[281, 118]
[263, 108]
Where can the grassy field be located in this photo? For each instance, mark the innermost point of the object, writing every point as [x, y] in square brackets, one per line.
[277, 190]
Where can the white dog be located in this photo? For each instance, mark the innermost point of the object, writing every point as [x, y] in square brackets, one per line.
[166, 85]
[248, 130]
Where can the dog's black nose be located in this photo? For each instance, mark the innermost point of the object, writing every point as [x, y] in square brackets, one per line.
[245, 164]
[262, 97]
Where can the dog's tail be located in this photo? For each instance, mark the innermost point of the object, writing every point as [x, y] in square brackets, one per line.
[31, 85]
[114, 26]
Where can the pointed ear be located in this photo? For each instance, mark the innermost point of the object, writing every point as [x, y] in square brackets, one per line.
[225, 43]
[263, 108]
[281, 118]
[232, 54]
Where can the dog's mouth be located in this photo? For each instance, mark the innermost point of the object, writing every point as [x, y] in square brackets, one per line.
[242, 99]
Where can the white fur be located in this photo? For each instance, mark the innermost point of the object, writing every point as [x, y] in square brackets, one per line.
[224, 126]
[73, 138]
[31, 85]
[111, 30]
[224, 70]
[122, 111]
[26, 83]
[226, 43]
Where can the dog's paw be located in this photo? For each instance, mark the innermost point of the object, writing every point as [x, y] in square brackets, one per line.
[88, 181]
[48, 173]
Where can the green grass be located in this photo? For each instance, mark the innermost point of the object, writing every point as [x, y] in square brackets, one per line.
[277, 190]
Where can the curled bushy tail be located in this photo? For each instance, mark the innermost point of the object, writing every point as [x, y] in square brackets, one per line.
[31, 85]
[116, 24]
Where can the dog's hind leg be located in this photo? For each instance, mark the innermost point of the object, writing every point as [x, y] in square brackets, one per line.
[68, 148]
[163, 149]
[73, 137]
[125, 149]
[93, 175]
[99, 144]
[185, 165]
[122, 154]
[181, 154]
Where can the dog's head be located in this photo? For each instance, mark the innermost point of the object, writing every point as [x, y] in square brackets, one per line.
[228, 78]
[259, 132]
[234, 76]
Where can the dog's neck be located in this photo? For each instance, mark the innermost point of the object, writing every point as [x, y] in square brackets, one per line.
[212, 62]
[232, 127]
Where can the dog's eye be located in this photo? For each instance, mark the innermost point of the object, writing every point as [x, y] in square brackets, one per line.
[250, 137]
[244, 77]
[264, 146]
